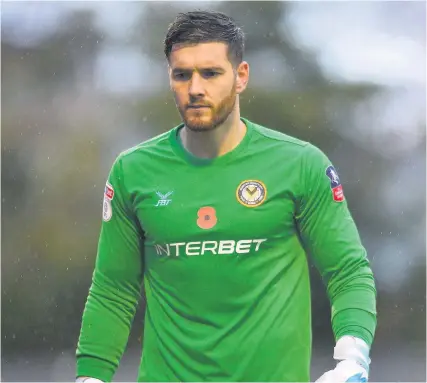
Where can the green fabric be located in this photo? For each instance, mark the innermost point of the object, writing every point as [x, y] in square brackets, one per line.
[223, 262]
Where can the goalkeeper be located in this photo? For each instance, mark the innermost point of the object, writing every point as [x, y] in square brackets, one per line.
[215, 219]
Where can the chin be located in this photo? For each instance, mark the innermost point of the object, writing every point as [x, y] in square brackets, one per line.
[199, 126]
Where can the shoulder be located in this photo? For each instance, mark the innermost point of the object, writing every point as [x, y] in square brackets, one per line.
[267, 134]
[135, 158]
[150, 146]
[308, 158]
[271, 137]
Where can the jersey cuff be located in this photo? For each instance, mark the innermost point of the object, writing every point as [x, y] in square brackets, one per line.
[355, 322]
[95, 368]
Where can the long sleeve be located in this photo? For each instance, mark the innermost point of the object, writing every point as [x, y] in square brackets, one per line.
[116, 284]
[330, 236]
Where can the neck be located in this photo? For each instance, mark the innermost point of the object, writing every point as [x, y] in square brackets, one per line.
[217, 142]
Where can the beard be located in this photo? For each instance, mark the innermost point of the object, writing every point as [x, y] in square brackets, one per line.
[206, 119]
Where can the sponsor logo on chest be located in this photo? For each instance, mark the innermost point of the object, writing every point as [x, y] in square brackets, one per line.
[221, 247]
[249, 193]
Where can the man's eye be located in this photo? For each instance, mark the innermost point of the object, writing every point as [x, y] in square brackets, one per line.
[210, 73]
[181, 76]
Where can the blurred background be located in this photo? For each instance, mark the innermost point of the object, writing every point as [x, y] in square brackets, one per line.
[83, 81]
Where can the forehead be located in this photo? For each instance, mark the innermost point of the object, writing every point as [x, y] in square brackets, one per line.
[199, 55]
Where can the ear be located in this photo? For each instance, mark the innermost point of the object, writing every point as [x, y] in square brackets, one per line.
[170, 76]
[242, 77]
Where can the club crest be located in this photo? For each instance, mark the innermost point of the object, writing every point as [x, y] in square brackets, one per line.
[251, 193]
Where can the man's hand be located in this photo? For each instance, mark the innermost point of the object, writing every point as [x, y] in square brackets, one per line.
[353, 366]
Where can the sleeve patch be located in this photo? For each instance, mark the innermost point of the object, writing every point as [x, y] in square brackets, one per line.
[109, 191]
[335, 184]
[107, 209]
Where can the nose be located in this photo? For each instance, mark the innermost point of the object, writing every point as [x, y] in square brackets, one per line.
[196, 86]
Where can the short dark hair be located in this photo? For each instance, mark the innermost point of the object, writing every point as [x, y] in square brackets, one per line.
[197, 27]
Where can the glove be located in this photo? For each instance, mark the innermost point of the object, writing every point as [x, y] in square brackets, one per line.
[85, 379]
[353, 366]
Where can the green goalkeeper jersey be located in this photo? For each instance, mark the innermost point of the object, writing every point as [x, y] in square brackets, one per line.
[221, 247]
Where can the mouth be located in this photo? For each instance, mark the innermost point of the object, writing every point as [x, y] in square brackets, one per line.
[198, 107]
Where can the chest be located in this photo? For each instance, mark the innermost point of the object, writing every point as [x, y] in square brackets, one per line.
[235, 203]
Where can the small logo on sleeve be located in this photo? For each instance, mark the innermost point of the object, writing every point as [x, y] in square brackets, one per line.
[109, 191]
[336, 186]
[107, 210]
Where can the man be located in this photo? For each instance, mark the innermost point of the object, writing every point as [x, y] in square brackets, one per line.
[216, 217]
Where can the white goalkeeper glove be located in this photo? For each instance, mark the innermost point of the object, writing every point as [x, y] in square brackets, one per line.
[85, 379]
[353, 366]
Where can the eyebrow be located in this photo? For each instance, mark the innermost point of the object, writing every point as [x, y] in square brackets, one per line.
[213, 68]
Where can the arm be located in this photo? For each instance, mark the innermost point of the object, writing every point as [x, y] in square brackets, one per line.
[330, 236]
[116, 284]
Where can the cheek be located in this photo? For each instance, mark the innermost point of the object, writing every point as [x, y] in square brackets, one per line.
[227, 91]
[180, 95]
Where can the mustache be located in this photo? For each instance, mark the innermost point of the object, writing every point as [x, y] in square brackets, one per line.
[198, 104]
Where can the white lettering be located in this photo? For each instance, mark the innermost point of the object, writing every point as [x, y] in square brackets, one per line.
[243, 246]
[177, 247]
[163, 202]
[226, 247]
[166, 250]
[205, 246]
[192, 248]
[258, 242]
